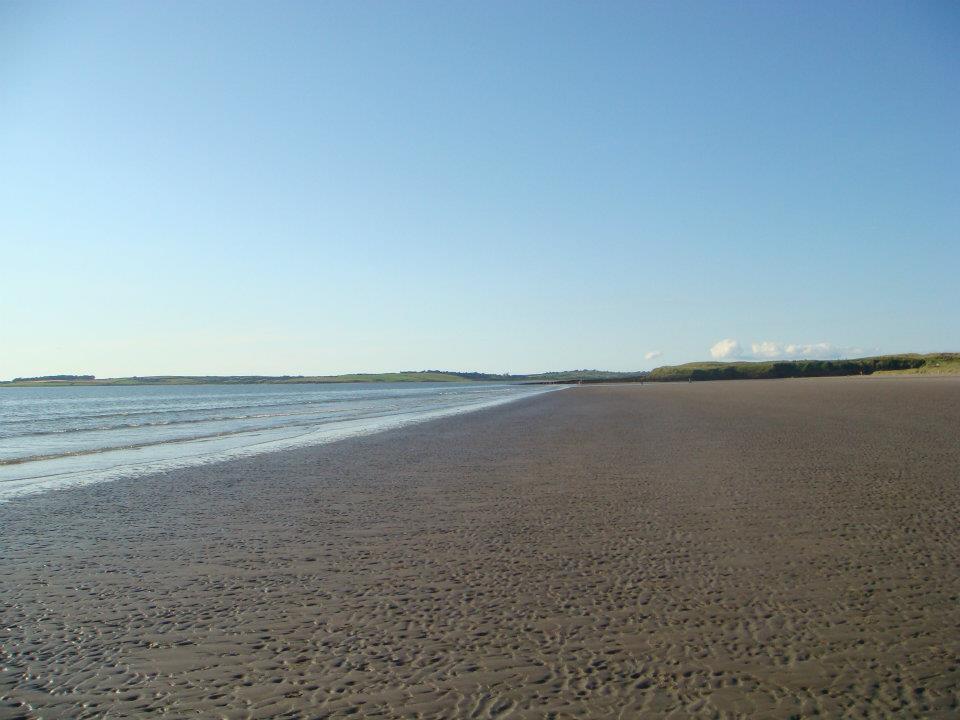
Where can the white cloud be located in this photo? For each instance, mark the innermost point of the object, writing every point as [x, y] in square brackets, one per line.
[653, 354]
[798, 351]
[729, 349]
[766, 349]
[726, 349]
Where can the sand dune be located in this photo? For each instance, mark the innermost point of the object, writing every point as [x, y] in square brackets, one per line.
[741, 549]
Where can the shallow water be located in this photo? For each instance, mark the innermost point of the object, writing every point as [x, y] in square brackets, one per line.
[56, 436]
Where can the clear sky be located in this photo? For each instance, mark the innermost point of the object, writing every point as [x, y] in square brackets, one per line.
[280, 187]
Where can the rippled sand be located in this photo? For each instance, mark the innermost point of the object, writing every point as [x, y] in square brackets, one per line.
[729, 549]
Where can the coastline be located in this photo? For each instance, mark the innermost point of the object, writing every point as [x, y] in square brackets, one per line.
[762, 548]
[28, 474]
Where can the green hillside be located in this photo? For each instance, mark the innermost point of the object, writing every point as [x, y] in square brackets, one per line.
[936, 363]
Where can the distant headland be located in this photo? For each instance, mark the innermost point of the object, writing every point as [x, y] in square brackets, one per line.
[903, 364]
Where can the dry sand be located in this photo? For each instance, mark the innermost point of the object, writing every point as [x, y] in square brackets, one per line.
[728, 549]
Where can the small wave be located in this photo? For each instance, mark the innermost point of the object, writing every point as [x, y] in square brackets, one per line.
[165, 423]
[155, 411]
[352, 397]
[382, 412]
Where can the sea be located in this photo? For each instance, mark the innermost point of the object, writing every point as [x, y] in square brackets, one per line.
[54, 437]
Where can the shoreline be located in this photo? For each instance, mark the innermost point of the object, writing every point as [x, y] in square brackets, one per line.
[765, 549]
[122, 462]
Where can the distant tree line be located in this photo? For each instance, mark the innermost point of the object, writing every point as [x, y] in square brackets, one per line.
[786, 369]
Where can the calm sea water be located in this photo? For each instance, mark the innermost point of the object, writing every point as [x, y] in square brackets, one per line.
[56, 436]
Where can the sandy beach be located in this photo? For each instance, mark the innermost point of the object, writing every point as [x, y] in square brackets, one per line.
[729, 549]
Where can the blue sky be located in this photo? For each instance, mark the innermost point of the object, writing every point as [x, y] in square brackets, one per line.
[329, 187]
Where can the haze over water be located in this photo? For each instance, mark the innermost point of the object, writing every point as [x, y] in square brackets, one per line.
[55, 436]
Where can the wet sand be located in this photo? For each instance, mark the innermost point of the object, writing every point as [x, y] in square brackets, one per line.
[729, 549]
